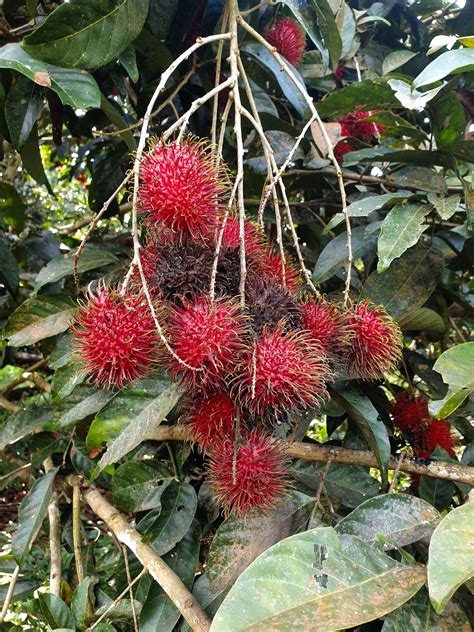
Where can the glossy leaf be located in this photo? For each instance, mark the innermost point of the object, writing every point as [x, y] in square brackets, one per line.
[23, 423]
[138, 485]
[84, 35]
[22, 109]
[9, 274]
[56, 612]
[84, 400]
[38, 318]
[371, 94]
[424, 319]
[32, 512]
[453, 61]
[450, 559]
[400, 230]
[81, 602]
[73, 87]
[455, 365]
[363, 208]
[316, 581]
[401, 518]
[395, 59]
[31, 159]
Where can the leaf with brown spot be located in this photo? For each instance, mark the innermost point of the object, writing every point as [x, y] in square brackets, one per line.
[42, 79]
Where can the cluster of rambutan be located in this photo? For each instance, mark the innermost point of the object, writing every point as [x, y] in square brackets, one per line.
[355, 125]
[411, 416]
[243, 368]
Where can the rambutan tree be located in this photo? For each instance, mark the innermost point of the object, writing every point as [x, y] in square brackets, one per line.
[236, 383]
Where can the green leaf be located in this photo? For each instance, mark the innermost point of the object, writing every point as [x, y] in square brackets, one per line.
[451, 62]
[317, 14]
[84, 35]
[22, 590]
[364, 207]
[266, 60]
[334, 255]
[442, 408]
[437, 492]
[159, 614]
[395, 59]
[408, 283]
[423, 319]
[38, 318]
[56, 612]
[316, 581]
[166, 526]
[417, 615]
[128, 59]
[65, 380]
[32, 161]
[422, 178]
[22, 109]
[400, 230]
[32, 512]
[9, 274]
[445, 206]
[455, 365]
[23, 423]
[114, 115]
[92, 257]
[402, 518]
[450, 559]
[73, 87]
[205, 596]
[12, 209]
[372, 95]
[81, 602]
[138, 485]
[363, 412]
[141, 428]
[84, 400]
[238, 541]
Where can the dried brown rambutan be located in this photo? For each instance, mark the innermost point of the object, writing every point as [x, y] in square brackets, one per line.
[327, 324]
[180, 187]
[284, 370]
[254, 477]
[208, 337]
[376, 342]
[288, 38]
[210, 419]
[115, 337]
[269, 304]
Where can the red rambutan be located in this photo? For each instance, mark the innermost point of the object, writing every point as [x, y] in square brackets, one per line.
[271, 268]
[210, 419]
[255, 479]
[410, 412]
[285, 370]
[327, 325]
[342, 148]
[358, 127]
[375, 342]
[207, 336]
[288, 38]
[115, 337]
[254, 241]
[180, 187]
[438, 433]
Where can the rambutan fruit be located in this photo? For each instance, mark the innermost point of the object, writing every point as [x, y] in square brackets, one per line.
[254, 241]
[254, 478]
[271, 267]
[115, 337]
[410, 412]
[342, 148]
[327, 324]
[210, 419]
[180, 187]
[438, 433]
[268, 304]
[208, 337]
[288, 38]
[360, 128]
[285, 370]
[376, 342]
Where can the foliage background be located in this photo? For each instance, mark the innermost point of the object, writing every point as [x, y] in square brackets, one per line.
[70, 107]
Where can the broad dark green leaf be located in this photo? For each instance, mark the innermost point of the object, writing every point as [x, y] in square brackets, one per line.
[316, 581]
[65, 380]
[9, 274]
[400, 230]
[270, 64]
[453, 61]
[362, 208]
[84, 35]
[437, 492]
[38, 318]
[56, 612]
[166, 526]
[408, 283]
[12, 209]
[32, 512]
[424, 319]
[84, 400]
[115, 116]
[81, 602]
[159, 614]
[31, 159]
[23, 590]
[403, 519]
[138, 485]
[318, 21]
[92, 257]
[205, 596]
[422, 178]
[141, 428]
[450, 559]
[23, 423]
[238, 541]
[128, 59]
[442, 408]
[73, 87]
[372, 95]
[22, 109]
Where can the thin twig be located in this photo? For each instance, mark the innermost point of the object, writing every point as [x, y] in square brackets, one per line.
[24, 376]
[129, 582]
[217, 77]
[9, 595]
[76, 528]
[396, 472]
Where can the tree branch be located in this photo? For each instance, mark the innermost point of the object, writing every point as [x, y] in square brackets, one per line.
[54, 537]
[158, 569]
[313, 452]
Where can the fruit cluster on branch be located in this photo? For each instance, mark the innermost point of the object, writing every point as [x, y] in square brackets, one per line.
[245, 364]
